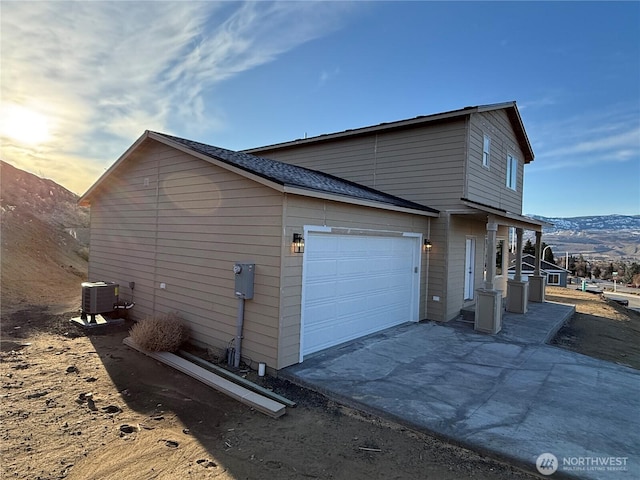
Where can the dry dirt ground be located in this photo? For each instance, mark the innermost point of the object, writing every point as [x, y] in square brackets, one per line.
[80, 405]
[600, 328]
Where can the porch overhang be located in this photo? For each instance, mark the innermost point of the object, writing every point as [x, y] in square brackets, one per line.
[504, 217]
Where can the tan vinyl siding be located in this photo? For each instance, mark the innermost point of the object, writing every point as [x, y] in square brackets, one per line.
[168, 217]
[423, 164]
[301, 211]
[437, 270]
[488, 185]
[460, 228]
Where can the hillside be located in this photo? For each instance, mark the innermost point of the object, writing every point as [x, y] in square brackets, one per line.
[44, 252]
[599, 237]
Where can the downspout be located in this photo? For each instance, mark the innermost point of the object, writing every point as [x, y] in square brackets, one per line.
[155, 235]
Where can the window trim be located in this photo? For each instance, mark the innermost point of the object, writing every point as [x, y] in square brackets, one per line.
[486, 151]
[512, 172]
[549, 282]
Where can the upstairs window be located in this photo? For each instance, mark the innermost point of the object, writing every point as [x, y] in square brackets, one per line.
[486, 148]
[512, 172]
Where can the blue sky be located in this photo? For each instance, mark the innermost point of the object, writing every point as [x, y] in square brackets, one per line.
[80, 82]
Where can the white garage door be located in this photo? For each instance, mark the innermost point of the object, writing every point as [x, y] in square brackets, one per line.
[355, 285]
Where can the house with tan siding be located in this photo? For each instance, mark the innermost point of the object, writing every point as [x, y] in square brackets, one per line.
[173, 217]
[350, 233]
[467, 163]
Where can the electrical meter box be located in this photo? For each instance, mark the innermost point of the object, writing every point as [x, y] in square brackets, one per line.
[244, 273]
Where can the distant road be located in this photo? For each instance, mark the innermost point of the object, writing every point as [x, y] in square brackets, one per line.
[634, 300]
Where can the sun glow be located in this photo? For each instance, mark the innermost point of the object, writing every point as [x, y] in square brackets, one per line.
[23, 124]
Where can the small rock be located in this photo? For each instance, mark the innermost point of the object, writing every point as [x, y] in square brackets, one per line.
[127, 429]
[171, 443]
[72, 369]
[37, 394]
[186, 431]
[112, 409]
[90, 379]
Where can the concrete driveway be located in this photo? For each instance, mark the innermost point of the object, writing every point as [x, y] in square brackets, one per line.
[510, 395]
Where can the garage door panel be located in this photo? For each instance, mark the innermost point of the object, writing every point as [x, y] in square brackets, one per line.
[321, 315]
[323, 268]
[348, 266]
[356, 285]
[321, 295]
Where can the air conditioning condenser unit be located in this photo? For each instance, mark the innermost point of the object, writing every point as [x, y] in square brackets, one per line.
[99, 297]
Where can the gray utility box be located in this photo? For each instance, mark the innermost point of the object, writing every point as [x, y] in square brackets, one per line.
[244, 273]
[99, 297]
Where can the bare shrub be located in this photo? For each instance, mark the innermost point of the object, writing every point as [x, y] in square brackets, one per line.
[164, 333]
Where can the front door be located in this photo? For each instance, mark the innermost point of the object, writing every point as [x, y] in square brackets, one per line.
[469, 268]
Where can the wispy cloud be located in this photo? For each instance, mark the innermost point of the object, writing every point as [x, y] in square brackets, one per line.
[594, 138]
[544, 101]
[103, 72]
[327, 75]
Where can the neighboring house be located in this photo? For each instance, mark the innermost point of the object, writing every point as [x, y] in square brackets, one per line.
[467, 163]
[556, 276]
[173, 216]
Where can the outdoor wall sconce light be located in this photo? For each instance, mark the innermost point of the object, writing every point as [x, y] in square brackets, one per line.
[298, 243]
[427, 245]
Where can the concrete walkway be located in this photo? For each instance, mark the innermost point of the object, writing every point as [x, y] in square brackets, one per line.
[509, 396]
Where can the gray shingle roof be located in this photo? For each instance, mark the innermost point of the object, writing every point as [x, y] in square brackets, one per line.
[294, 176]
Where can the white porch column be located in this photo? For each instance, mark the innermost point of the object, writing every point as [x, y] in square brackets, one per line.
[536, 270]
[518, 288]
[519, 232]
[488, 316]
[492, 230]
[537, 281]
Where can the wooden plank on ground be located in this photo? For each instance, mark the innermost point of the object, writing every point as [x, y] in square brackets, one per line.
[236, 379]
[262, 404]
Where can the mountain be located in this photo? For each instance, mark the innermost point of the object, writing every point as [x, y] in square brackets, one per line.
[592, 223]
[44, 240]
[598, 237]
